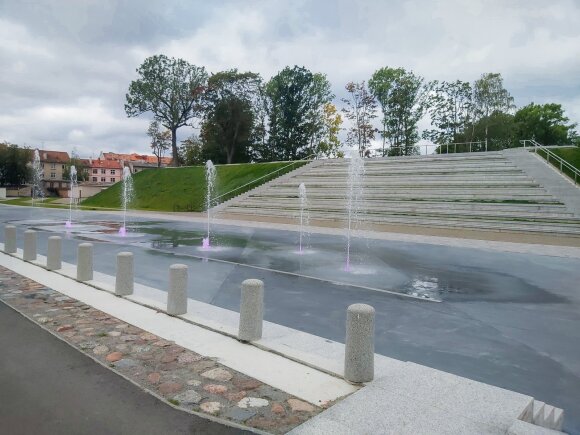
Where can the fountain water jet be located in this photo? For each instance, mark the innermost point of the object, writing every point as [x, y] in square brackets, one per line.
[354, 194]
[304, 216]
[73, 189]
[37, 175]
[126, 197]
[210, 176]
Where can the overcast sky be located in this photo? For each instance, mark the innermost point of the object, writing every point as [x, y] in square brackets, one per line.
[66, 65]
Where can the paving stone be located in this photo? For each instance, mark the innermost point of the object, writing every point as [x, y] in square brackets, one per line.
[43, 320]
[246, 384]
[87, 345]
[188, 357]
[215, 389]
[122, 347]
[126, 363]
[148, 336]
[300, 406]
[211, 407]
[115, 356]
[170, 388]
[277, 408]
[194, 383]
[154, 377]
[239, 414]
[64, 328]
[100, 350]
[235, 397]
[217, 374]
[114, 333]
[167, 358]
[162, 343]
[128, 337]
[252, 402]
[188, 398]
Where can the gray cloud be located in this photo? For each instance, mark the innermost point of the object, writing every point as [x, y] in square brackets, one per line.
[67, 64]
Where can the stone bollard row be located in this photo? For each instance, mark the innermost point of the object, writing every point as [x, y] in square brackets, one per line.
[29, 252]
[54, 253]
[124, 283]
[251, 310]
[359, 357]
[85, 262]
[10, 239]
[177, 293]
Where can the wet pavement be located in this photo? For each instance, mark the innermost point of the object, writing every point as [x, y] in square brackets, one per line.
[507, 319]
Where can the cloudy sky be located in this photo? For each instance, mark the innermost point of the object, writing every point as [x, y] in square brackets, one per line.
[66, 65]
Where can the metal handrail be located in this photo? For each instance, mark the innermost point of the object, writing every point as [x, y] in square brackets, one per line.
[308, 158]
[563, 163]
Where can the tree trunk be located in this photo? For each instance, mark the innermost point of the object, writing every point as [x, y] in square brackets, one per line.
[174, 146]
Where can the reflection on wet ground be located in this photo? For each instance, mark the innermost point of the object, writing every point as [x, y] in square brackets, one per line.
[508, 319]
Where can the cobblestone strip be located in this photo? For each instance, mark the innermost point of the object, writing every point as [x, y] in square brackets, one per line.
[182, 377]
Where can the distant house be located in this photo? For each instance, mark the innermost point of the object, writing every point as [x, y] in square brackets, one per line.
[105, 171]
[137, 162]
[53, 164]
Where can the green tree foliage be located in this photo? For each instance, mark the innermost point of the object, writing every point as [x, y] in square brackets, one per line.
[160, 140]
[330, 145]
[295, 113]
[232, 102]
[489, 97]
[191, 151]
[15, 165]
[170, 89]
[402, 97]
[450, 106]
[360, 109]
[545, 123]
[81, 168]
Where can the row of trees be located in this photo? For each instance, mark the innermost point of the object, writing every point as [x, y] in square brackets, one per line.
[242, 118]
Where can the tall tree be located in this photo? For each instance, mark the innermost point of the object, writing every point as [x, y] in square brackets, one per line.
[450, 106]
[169, 88]
[77, 162]
[15, 167]
[296, 102]
[329, 145]
[490, 96]
[545, 123]
[160, 140]
[232, 101]
[402, 97]
[191, 151]
[360, 109]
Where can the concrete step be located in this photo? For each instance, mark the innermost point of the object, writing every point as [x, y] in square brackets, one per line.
[414, 179]
[415, 183]
[423, 207]
[339, 202]
[424, 169]
[454, 222]
[339, 210]
[520, 427]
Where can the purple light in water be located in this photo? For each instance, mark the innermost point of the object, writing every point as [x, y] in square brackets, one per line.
[205, 243]
[122, 231]
[68, 224]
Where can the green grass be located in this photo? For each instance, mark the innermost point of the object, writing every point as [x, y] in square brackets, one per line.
[184, 189]
[571, 155]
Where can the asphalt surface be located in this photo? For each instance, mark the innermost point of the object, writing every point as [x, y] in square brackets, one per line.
[507, 319]
[50, 388]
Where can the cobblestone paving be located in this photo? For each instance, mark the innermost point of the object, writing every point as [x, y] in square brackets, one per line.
[182, 377]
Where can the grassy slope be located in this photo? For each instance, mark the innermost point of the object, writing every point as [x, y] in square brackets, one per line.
[183, 189]
[571, 155]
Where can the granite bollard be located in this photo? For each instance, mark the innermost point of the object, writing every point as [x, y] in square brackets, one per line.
[124, 282]
[10, 239]
[85, 262]
[29, 252]
[359, 357]
[54, 253]
[177, 294]
[251, 310]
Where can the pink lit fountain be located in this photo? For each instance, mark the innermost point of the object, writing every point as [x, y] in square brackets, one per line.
[210, 176]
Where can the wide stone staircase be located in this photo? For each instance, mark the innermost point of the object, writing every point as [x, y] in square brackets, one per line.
[478, 191]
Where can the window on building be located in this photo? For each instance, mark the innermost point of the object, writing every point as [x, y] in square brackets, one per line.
[95, 171]
[63, 167]
[53, 166]
[53, 175]
[135, 171]
[103, 180]
[94, 179]
[113, 180]
[112, 172]
[103, 171]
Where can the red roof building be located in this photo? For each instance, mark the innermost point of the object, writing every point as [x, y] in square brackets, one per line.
[105, 171]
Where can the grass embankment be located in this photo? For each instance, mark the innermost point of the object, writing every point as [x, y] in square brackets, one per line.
[571, 155]
[184, 189]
